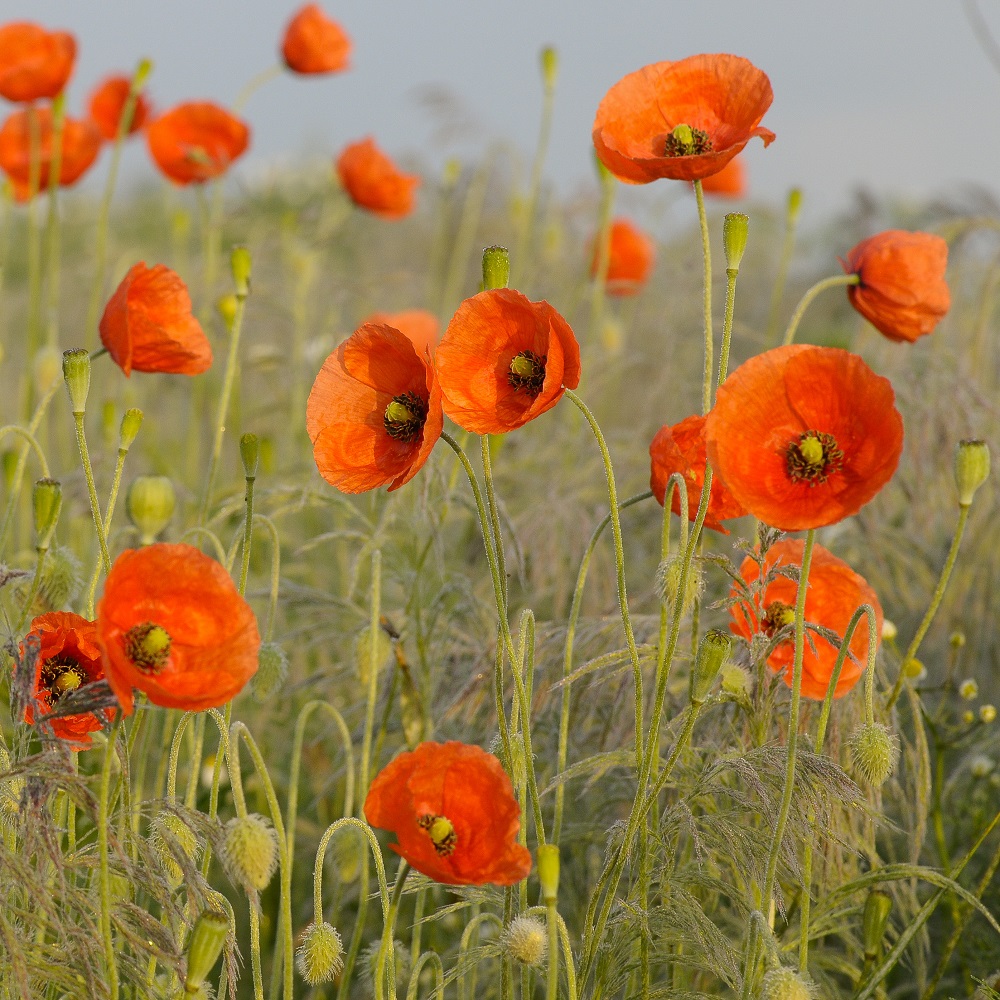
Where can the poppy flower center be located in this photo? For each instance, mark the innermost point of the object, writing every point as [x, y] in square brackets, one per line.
[148, 646]
[776, 616]
[813, 458]
[60, 675]
[441, 831]
[404, 417]
[687, 141]
[527, 372]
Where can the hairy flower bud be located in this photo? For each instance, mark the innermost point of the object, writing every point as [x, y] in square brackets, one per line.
[969, 689]
[76, 372]
[62, 577]
[548, 870]
[250, 850]
[972, 469]
[786, 984]
[874, 750]
[714, 649]
[668, 581]
[131, 422]
[272, 669]
[239, 261]
[320, 956]
[46, 502]
[169, 838]
[150, 504]
[878, 906]
[526, 940]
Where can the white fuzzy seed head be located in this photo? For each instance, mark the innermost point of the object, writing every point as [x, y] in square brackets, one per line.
[786, 984]
[526, 939]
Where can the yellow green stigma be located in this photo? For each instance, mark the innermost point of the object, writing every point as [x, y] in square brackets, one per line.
[148, 646]
[813, 458]
[687, 141]
[527, 372]
[404, 417]
[442, 833]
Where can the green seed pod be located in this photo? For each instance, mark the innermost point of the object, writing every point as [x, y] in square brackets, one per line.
[714, 649]
[131, 422]
[76, 372]
[496, 267]
[46, 503]
[972, 469]
[239, 261]
[204, 947]
[794, 204]
[874, 750]
[226, 308]
[320, 956]
[250, 850]
[526, 940]
[272, 669]
[150, 504]
[735, 229]
[878, 906]
[548, 871]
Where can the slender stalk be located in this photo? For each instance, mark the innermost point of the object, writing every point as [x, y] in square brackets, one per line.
[95, 507]
[110, 513]
[727, 322]
[247, 535]
[603, 243]
[835, 281]
[34, 253]
[787, 248]
[52, 241]
[255, 83]
[706, 250]
[103, 824]
[385, 961]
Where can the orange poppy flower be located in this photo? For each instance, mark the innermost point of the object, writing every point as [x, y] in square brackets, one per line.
[453, 811]
[902, 291]
[107, 102]
[631, 256]
[69, 657]
[314, 43]
[148, 325]
[681, 448]
[804, 436]
[373, 181]
[505, 360]
[196, 141]
[34, 63]
[420, 326]
[729, 182]
[81, 143]
[173, 625]
[374, 412]
[833, 594]
[683, 120]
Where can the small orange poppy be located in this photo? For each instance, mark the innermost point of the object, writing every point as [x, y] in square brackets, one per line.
[34, 63]
[314, 43]
[374, 412]
[681, 448]
[420, 326]
[81, 142]
[505, 360]
[148, 325]
[107, 102]
[902, 291]
[683, 120]
[804, 436]
[196, 141]
[172, 624]
[833, 594]
[453, 811]
[729, 182]
[69, 657]
[373, 181]
[631, 256]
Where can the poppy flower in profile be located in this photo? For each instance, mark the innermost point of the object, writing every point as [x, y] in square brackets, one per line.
[81, 142]
[148, 325]
[69, 657]
[833, 594]
[729, 182]
[804, 436]
[681, 448]
[373, 181]
[683, 120]
[631, 256]
[314, 43]
[902, 291]
[107, 103]
[505, 360]
[34, 63]
[173, 625]
[453, 811]
[196, 141]
[421, 327]
[374, 412]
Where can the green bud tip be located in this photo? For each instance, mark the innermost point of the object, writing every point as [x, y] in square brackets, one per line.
[874, 921]
[548, 870]
[957, 639]
[972, 469]
[874, 750]
[46, 502]
[794, 204]
[734, 238]
[150, 505]
[131, 422]
[76, 372]
[240, 262]
[496, 268]
[272, 669]
[249, 452]
[550, 66]
[889, 630]
[714, 649]
[204, 947]
[526, 940]
[141, 74]
[226, 307]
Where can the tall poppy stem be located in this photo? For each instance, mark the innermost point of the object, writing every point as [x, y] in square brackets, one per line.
[52, 241]
[34, 253]
[385, 965]
[706, 250]
[834, 281]
[787, 248]
[95, 506]
[599, 288]
[102, 852]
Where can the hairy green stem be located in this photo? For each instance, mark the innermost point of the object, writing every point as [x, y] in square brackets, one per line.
[706, 250]
[95, 507]
[835, 281]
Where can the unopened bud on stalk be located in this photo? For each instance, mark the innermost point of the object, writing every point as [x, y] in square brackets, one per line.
[46, 368]
[889, 630]
[714, 649]
[9, 461]
[874, 750]
[794, 204]
[968, 689]
[249, 453]
[972, 469]
[913, 669]
[496, 268]
[987, 713]
[272, 669]
[550, 66]
[226, 307]
[526, 940]
[76, 372]
[141, 74]
[150, 504]
[320, 957]
[668, 581]
[734, 238]
[735, 681]
[878, 906]
[548, 871]
[169, 834]
[46, 501]
[131, 422]
[239, 261]
[957, 640]
[250, 850]
[207, 939]
[786, 984]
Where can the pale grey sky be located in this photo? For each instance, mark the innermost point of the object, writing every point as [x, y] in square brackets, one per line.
[892, 94]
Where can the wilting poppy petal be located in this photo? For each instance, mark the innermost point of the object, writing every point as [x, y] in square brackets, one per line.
[173, 625]
[804, 436]
[81, 142]
[196, 141]
[420, 326]
[374, 412]
[631, 256]
[314, 43]
[69, 657]
[833, 594]
[505, 360]
[148, 325]
[107, 102]
[34, 63]
[729, 182]
[453, 811]
[681, 448]
[902, 291]
[373, 181]
[638, 131]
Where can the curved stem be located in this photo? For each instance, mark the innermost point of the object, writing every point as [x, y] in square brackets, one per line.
[255, 83]
[247, 536]
[109, 514]
[32, 442]
[835, 281]
[470, 928]
[427, 958]
[201, 532]
[385, 961]
[706, 250]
